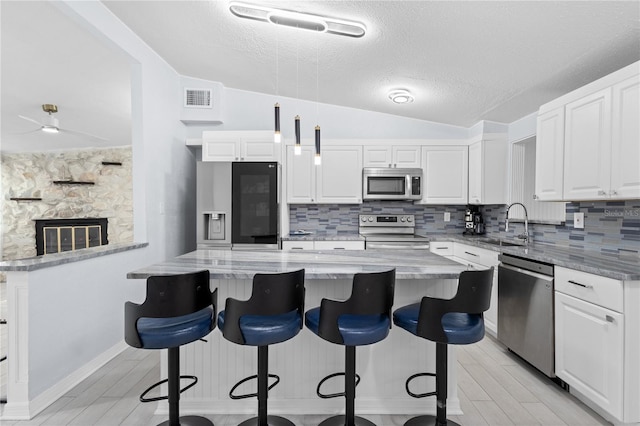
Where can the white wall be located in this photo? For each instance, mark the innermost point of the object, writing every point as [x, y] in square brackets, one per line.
[244, 110]
[68, 327]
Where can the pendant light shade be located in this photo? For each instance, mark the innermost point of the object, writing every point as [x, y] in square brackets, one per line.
[297, 150]
[317, 160]
[276, 136]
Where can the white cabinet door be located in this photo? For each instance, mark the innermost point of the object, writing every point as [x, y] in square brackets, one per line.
[488, 172]
[260, 149]
[625, 143]
[339, 245]
[378, 156]
[587, 147]
[301, 176]
[549, 155]
[339, 177]
[220, 150]
[445, 171]
[297, 245]
[589, 351]
[392, 156]
[406, 156]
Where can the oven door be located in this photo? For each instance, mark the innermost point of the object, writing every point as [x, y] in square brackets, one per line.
[396, 245]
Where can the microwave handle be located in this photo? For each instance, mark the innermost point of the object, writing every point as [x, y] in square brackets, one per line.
[408, 186]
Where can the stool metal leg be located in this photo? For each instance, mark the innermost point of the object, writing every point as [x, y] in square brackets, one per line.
[440, 419]
[263, 418]
[349, 419]
[173, 367]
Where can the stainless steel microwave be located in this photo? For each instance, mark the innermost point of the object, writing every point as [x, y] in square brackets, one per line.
[391, 184]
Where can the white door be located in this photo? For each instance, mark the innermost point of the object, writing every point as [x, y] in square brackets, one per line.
[587, 147]
[260, 149]
[549, 155]
[589, 351]
[475, 173]
[406, 156]
[340, 175]
[446, 178]
[377, 156]
[220, 150]
[301, 176]
[625, 143]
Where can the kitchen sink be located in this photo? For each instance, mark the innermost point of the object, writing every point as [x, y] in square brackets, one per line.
[500, 242]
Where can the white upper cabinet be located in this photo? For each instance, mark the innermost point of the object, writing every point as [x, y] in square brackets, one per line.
[406, 156]
[301, 176]
[488, 172]
[445, 174]
[589, 140]
[625, 140]
[587, 147]
[239, 146]
[338, 180]
[549, 156]
[339, 177]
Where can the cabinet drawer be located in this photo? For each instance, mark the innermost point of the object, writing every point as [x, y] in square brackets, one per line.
[297, 245]
[602, 291]
[443, 248]
[484, 257]
[339, 245]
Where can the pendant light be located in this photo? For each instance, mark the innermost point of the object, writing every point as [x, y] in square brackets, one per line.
[276, 136]
[297, 150]
[317, 160]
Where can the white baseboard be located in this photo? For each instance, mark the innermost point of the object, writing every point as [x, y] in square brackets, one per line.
[25, 410]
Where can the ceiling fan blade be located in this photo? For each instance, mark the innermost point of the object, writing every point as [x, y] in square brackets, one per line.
[31, 120]
[79, 133]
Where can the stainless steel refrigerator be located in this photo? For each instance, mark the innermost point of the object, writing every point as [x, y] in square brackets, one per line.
[237, 205]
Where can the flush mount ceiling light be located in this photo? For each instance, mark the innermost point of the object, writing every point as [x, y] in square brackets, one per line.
[401, 96]
[298, 20]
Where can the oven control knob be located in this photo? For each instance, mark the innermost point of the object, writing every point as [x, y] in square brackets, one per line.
[370, 218]
[363, 218]
[402, 219]
[409, 219]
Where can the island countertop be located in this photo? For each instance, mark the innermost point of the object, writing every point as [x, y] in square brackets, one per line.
[320, 264]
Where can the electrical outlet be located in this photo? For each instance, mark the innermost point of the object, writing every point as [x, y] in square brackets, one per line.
[578, 220]
[447, 216]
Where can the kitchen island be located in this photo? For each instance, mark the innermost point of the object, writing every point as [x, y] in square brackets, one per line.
[304, 360]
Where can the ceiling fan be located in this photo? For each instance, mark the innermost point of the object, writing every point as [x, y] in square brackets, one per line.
[52, 126]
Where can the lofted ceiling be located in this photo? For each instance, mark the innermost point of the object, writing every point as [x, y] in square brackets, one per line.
[464, 61]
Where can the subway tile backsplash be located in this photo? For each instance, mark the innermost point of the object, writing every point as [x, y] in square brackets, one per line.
[609, 227]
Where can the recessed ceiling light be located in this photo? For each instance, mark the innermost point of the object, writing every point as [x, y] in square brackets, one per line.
[305, 21]
[401, 96]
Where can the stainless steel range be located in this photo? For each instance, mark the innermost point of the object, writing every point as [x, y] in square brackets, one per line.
[391, 232]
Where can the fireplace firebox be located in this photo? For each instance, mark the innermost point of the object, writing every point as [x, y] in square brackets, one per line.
[59, 235]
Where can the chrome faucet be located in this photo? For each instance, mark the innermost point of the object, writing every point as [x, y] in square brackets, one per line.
[524, 236]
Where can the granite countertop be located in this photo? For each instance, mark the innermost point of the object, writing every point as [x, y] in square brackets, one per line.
[55, 259]
[616, 266]
[327, 264]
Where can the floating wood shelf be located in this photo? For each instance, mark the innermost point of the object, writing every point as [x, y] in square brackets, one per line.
[111, 163]
[72, 182]
[25, 199]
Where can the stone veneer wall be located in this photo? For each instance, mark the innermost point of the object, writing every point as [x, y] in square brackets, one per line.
[32, 175]
[609, 226]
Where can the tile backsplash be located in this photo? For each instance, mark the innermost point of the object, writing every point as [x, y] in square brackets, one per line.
[609, 227]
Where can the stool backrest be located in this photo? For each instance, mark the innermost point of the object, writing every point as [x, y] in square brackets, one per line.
[472, 297]
[170, 296]
[272, 294]
[371, 294]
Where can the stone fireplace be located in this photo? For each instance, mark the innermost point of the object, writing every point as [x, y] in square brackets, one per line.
[59, 235]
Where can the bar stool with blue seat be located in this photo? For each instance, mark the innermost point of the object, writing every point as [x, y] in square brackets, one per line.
[363, 319]
[456, 321]
[178, 309]
[273, 314]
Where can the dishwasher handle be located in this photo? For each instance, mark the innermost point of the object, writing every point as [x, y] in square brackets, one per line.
[527, 272]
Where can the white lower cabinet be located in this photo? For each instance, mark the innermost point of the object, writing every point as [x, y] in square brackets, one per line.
[597, 343]
[589, 351]
[322, 245]
[478, 258]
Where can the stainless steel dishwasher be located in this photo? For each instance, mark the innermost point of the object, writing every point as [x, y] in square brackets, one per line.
[525, 310]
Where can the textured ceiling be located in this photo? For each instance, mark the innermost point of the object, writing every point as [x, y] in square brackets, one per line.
[463, 61]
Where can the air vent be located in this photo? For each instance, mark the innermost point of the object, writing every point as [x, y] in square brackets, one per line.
[198, 98]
